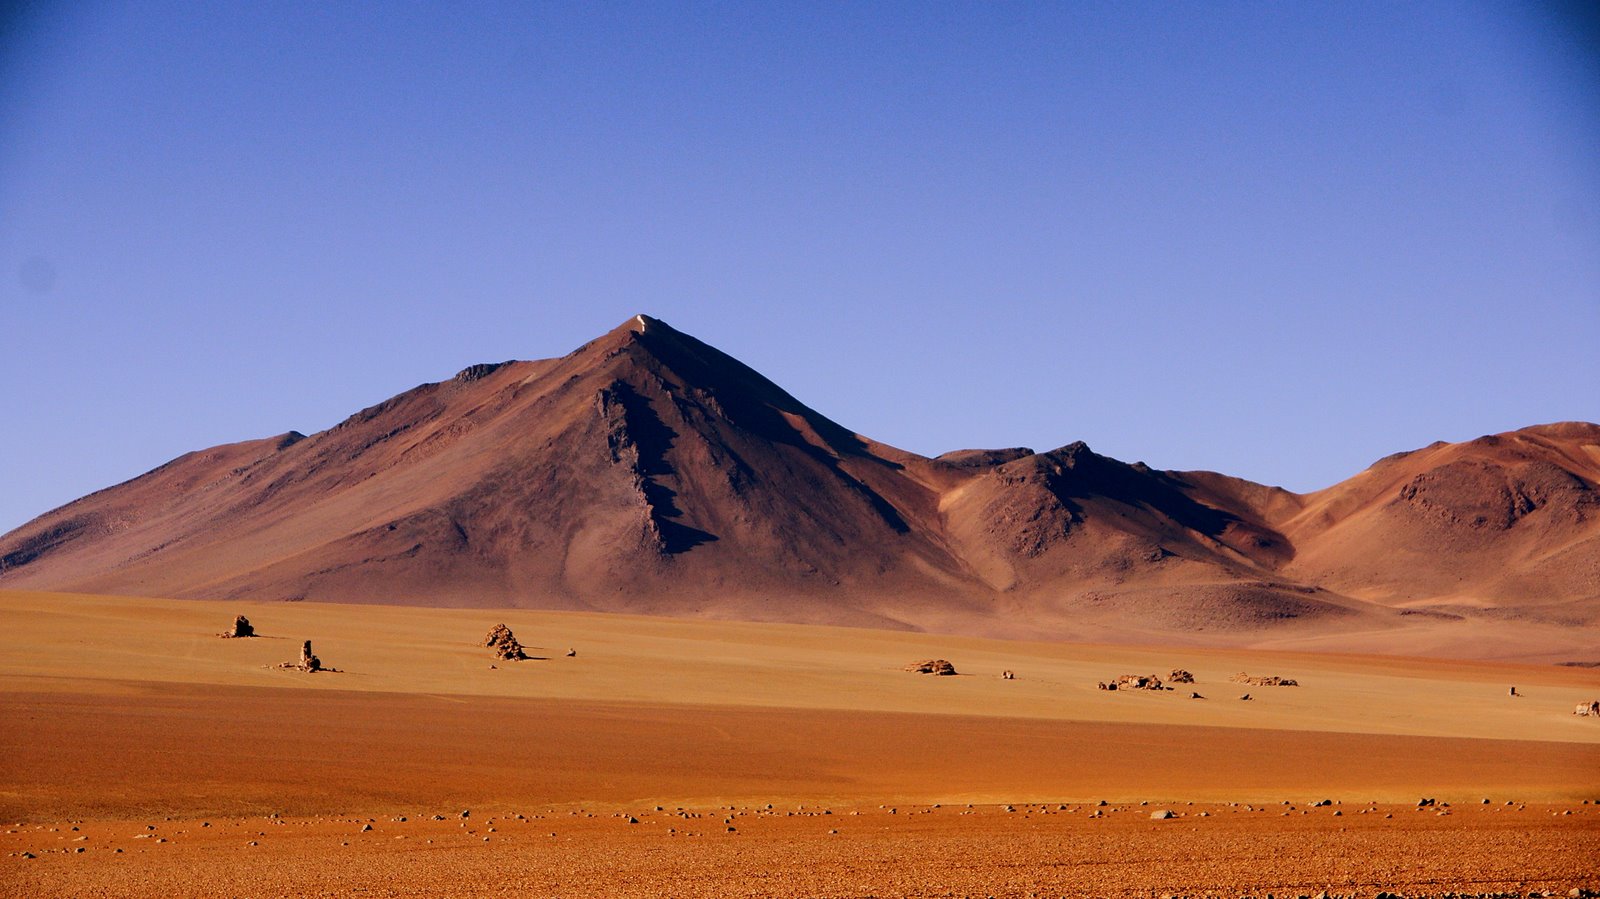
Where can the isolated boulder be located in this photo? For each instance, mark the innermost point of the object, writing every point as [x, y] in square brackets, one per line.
[1588, 708]
[503, 643]
[932, 666]
[1180, 676]
[241, 628]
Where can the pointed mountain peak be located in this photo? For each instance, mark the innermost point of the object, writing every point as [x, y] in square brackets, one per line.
[696, 362]
[630, 333]
[639, 324]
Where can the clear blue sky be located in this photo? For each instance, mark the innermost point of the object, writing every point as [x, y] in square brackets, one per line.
[1279, 240]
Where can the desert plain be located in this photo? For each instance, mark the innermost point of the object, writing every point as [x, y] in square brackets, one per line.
[142, 754]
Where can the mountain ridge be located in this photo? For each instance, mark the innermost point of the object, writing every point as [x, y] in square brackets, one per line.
[647, 471]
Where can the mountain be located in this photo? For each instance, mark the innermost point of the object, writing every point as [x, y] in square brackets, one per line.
[1508, 519]
[649, 472]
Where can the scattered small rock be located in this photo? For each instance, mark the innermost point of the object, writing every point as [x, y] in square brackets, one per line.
[1268, 680]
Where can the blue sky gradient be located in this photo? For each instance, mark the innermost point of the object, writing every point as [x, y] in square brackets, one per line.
[1276, 240]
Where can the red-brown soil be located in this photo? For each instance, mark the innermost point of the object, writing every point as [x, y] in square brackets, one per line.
[795, 850]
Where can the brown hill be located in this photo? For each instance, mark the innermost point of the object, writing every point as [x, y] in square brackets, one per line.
[649, 472]
[1510, 520]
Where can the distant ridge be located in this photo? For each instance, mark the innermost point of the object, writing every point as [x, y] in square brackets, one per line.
[650, 472]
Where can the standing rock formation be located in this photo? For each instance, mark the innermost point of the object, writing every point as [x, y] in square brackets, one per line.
[241, 628]
[504, 644]
[308, 663]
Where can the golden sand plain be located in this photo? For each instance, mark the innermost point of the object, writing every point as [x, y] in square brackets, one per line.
[131, 720]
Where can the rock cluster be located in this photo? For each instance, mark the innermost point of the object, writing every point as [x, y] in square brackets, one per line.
[1134, 682]
[504, 644]
[1268, 680]
[932, 666]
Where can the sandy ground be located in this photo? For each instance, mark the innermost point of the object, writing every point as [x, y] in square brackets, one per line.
[121, 715]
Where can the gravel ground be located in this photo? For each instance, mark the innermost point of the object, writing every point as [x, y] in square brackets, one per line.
[1214, 850]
